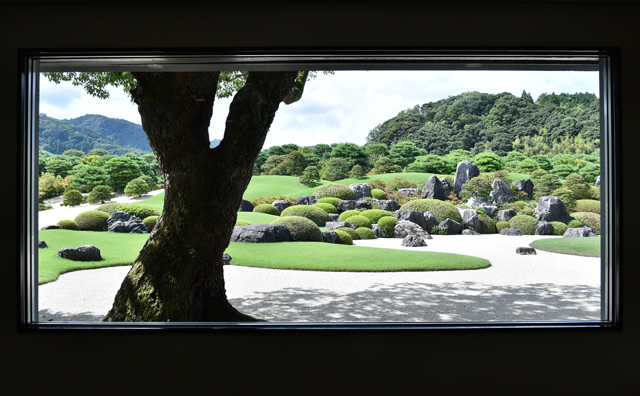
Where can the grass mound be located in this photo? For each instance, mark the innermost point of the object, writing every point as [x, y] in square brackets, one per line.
[441, 210]
[589, 246]
[375, 214]
[92, 220]
[300, 228]
[267, 208]
[313, 213]
[334, 190]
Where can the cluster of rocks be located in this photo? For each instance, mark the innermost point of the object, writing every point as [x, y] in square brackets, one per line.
[124, 222]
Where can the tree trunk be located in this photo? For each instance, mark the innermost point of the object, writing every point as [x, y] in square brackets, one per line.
[178, 275]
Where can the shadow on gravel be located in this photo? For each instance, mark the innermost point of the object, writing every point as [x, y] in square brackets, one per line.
[419, 302]
[45, 315]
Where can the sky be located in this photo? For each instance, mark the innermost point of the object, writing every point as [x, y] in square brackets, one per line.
[338, 108]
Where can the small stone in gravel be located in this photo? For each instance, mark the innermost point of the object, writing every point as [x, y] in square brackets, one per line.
[526, 250]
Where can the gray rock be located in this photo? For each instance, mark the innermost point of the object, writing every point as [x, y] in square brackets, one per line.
[469, 232]
[501, 192]
[387, 204]
[376, 230]
[306, 200]
[544, 228]
[226, 259]
[245, 206]
[506, 214]
[362, 190]
[51, 227]
[338, 224]
[334, 216]
[42, 244]
[430, 220]
[579, 232]
[470, 219]
[82, 253]
[405, 227]
[329, 236]
[489, 207]
[525, 185]
[281, 204]
[408, 191]
[363, 204]
[126, 223]
[465, 171]
[261, 233]
[450, 226]
[525, 250]
[551, 208]
[346, 204]
[510, 231]
[413, 241]
[445, 184]
[435, 189]
[413, 216]
[598, 181]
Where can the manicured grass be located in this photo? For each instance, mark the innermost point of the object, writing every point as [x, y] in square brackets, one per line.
[317, 256]
[156, 202]
[589, 246]
[115, 249]
[257, 218]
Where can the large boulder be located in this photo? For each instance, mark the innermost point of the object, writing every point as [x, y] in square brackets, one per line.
[387, 204]
[259, 233]
[405, 227]
[329, 236]
[245, 206]
[362, 190]
[451, 227]
[413, 241]
[470, 219]
[544, 228]
[126, 223]
[82, 253]
[346, 204]
[551, 208]
[430, 220]
[501, 192]
[525, 185]
[281, 204]
[506, 214]
[363, 204]
[465, 171]
[434, 189]
[579, 232]
[510, 231]
[306, 200]
[376, 230]
[408, 191]
[413, 216]
[489, 207]
[339, 224]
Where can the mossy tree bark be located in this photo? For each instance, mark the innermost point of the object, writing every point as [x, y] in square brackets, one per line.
[178, 275]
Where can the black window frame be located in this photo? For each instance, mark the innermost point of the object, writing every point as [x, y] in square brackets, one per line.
[604, 60]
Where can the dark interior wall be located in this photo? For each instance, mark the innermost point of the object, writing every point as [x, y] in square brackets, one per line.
[518, 362]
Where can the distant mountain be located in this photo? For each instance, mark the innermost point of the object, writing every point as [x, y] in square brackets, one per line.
[90, 132]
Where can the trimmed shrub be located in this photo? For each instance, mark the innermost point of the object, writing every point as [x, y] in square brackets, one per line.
[267, 208]
[92, 220]
[502, 224]
[300, 228]
[487, 225]
[72, 198]
[387, 224]
[589, 219]
[375, 214]
[558, 228]
[441, 210]
[139, 210]
[136, 188]
[352, 233]
[269, 200]
[100, 194]
[330, 200]
[150, 222]
[574, 224]
[377, 184]
[348, 213]
[327, 207]
[567, 197]
[44, 207]
[588, 205]
[334, 190]
[526, 224]
[343, 238]
[359, 221]
[313, 213]
[241, 222]
[68, 225]
[365, 233]
[378, 194]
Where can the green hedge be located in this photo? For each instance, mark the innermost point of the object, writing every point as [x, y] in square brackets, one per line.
[589, 219]
[92, 220]
[139, 210]
[441, 210]
[300, 228]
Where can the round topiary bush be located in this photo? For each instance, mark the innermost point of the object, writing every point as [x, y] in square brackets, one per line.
[378, 194]
[588, 205]
[139, 210]
[441, 210]
[343, 238]
[558, 228]
[348, 213]
[589, 219]
[526, 224]
[68, 225]
[330, 200]
[313, 213]
[327, 207]
[574, 224]
[150, 222]
[502, 224]
[387, 225]
[359, 221]
[487, 225]
[267, 208]
[72, 198]
[334, 190]
[241, 222]
[375, 214]
[92, 220]
[365, 233]
[352, 233]
[300, 228]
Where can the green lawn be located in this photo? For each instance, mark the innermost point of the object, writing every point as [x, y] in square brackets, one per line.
[589, 247]
[257, 218]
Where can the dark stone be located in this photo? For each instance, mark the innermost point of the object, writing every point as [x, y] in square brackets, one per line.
[489, 207]
[42, 244]
[525, 185]
[430, 220]
[470, 219]
[413, 241]
[506, 214]
[465, 171]
[337, 224]
[510, 231]
[126, 223]
[245, 206]
[226, 259]
[281, 204]
[376, 230]
[346, 204]
[334, 216]
[306, 200]
[579, 232]
[362, 190]
[363, 204]
[51, 227]
[450, 226]
[408, 191]
[82, 253]
[469, 232]
[551, 208]
[501, 192]
[435, 189]
[526, 250]
[544, 228]
[261, 233]
[329, 236]
[387, 204]
[405, 227]
[413, 216]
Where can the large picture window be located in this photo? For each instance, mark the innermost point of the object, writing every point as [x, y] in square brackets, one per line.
[478, 189]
